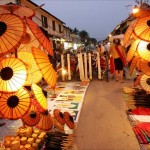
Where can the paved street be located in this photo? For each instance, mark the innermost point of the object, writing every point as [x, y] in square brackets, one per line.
[103, 123]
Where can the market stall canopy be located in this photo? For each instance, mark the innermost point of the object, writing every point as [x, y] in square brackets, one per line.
[12, 30]
[14, 105]
[21, 11]
[46, 68]
[38, 33]
[13, 74]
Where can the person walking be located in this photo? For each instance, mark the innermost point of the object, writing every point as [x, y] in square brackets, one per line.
[119, 56]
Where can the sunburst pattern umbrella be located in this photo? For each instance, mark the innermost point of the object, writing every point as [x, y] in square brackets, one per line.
[142, 13]
[21, 11]
[45, 66]
[34, 75]
[40, 95]
[128, 36]
[145, 67]
[28, 41]
[13, 74]
[38, 33]
[15, 105]
[142, 28]
[145, 83]
[33, 115]
[143, 50]
[45, 122]
[132, 50]
[12, 30]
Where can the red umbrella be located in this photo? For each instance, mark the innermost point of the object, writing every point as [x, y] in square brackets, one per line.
[38, 33]
[45, 122]
[21, 11]
[69, 120]
[59, 116]
[12, 30]
[33, 115]
[15, 105]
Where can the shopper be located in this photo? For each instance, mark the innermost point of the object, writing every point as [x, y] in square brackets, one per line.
[119, 57]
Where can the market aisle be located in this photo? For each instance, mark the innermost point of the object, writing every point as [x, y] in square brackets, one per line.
[103, 123]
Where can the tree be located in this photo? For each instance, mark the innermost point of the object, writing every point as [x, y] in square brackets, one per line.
[84, 36]
[76, 31]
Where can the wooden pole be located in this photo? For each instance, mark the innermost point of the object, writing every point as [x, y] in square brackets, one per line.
[99, 66]
[90, 66]
[69, 71]
[62, 66]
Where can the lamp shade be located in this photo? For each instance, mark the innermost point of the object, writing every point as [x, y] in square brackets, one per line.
[15, 105]
[12, 30]
[13, 74]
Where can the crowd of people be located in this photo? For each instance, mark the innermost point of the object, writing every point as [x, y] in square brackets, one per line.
[116, 55]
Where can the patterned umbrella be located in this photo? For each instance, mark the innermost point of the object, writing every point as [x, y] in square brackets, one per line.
[45, 66]
[59, 116]
[21, 11]
[69, 120]
[142, 29]
[137, 80]
[132, 50]
[143, 50]
[38, 33]
[28, 41]
[145, 83]
[45, 122]
[145, 67]
[12, 30]
[15, 105]
[33, 115]
[129, 34]
[40, 95]
[13, 74]
[34, 74]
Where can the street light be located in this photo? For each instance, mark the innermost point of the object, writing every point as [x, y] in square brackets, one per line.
[135, 9]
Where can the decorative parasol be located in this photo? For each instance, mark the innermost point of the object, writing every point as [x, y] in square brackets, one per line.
[145, 83]
[38, 33]
[34, 74]
[142, 28]
[40, 95]
[12, 30]
[137, 80]
[142, 13]
[13, 74]
[15, 105]
[21, 11]
[145, 67]
[69, 120]
[33, 115]
[28, 41]
[45, 66]
[144, 50]
[133, 64]
[132, 50]
[59, 116]
[128, 36]
[45, 122]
